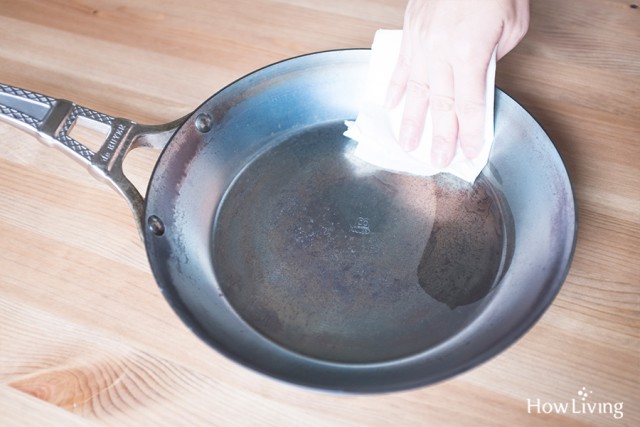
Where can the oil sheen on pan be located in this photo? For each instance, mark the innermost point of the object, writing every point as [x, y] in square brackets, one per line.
[344, 263]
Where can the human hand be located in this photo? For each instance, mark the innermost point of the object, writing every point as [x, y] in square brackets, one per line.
[446, 49]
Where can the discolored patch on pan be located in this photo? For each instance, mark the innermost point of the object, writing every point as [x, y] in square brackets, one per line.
[466, 250]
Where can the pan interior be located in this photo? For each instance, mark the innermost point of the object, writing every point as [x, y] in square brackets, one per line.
[335, 260]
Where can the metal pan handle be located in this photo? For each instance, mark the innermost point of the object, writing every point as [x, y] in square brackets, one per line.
[51, 121]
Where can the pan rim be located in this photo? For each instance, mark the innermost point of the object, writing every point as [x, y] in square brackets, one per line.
[516, 332]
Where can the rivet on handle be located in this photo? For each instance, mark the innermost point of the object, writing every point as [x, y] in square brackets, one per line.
[155, 225]
[204, 122]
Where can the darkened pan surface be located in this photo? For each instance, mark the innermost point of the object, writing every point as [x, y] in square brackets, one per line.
[288, 255]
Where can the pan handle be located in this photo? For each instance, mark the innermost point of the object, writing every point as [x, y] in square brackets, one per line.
[51, 121]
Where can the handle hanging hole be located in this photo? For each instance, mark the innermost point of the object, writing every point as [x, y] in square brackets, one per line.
[89, 133]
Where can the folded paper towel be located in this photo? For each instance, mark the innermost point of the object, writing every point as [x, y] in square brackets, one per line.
[376, 128]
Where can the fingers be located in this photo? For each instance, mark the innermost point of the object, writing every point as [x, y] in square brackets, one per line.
[470, 93]
[456, 95]
[398, 83]
[416, 105]
[446, 49]
[402, 70]
[443, 114]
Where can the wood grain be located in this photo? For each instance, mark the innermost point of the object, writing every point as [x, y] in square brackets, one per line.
[86, 338]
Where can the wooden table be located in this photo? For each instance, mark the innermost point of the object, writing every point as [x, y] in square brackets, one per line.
[86, 337]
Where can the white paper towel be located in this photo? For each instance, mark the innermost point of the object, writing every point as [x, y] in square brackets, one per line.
[376, 128]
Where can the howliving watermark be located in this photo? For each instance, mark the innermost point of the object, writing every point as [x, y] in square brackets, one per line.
[581, 405]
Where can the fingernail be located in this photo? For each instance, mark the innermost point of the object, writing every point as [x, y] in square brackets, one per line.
[471, 152]
[439, 160]
[408, 138]
[439, 153]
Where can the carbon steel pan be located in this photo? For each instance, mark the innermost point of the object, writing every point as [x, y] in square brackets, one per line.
[291, 257]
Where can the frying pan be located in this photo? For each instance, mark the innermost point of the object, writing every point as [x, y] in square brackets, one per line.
[291, 257]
